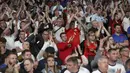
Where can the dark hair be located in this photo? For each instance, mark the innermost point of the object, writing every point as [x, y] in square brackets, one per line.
[116, 25]
[1, 31]
[62, 33]
[72, 23]
[2, 39]
[115, 15]
[45, 30]
[50, 50]
[12, 53]
[90, 31]
[25, 51]
[73, 59]
[98, 8]
[22, 22]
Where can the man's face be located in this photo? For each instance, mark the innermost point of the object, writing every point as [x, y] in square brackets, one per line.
[71, 66]
[8, 32]
[2, 48]
[26, 45]
[3, 24]
[117, 29]
[113, 55]
[45, 35]
[103, 64]
[22, 35]
[64, 37]
[12, 59]
[28, 65]
[125, 52]
[22, 25]
[14, 14]
[92, 37]
[27, 55]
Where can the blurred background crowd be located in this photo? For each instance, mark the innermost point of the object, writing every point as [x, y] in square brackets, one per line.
[65, 36]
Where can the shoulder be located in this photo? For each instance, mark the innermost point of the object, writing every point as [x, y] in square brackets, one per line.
[42, 61]
[123, 35]
[82, 69]
[65, 71]
[119, 65]
[96, 71]
[17, 41]
[128, 30]
[114, 35]
[116, 66]
[128, 72]
[3, 66]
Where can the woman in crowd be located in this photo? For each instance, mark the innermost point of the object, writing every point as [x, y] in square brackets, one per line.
[51, 66]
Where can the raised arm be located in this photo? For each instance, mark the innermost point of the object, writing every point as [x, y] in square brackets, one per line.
[15, 29]
[114, 11]
[68, 23]
[84, 59]
[122, 12]
[84, 27]
[98, 32]
[108, 34]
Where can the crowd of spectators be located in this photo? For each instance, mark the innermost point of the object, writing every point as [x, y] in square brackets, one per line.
[65, 36]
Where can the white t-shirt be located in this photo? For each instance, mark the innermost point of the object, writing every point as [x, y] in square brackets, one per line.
[57, 34]
[10, 42]
[126, 23]
[96, 71]
[113, 69]
[18, 44]
[81, 70]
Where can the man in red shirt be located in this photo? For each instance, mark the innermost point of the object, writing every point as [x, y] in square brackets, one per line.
[65, 47]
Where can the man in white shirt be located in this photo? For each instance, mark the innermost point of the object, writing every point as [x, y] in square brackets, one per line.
[73, 66]
[22, 38]
[102, 65]
[126, 21]
[113, 66]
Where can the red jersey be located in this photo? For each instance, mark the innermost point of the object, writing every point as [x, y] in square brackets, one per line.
[75, 33]
[113, 22]
[88, 48]
[64, 50]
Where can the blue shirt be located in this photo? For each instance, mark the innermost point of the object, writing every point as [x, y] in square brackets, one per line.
[119, 38]
[3, 66]
[128, 72]
[128, 30]
[64, 3]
